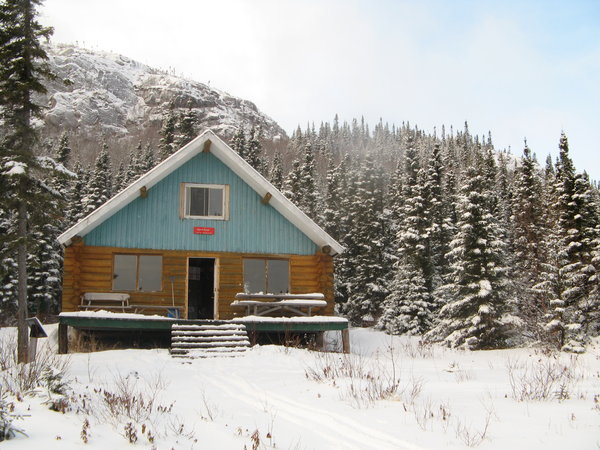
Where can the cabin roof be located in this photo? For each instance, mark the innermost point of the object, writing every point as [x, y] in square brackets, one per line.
[207, 141]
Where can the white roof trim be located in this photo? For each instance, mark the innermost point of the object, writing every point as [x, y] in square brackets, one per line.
[232, 160]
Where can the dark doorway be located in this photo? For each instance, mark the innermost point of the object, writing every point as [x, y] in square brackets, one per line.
[201, 292]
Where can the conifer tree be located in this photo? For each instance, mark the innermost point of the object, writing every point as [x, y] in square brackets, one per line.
[308, 198]
[276, 175]
[291, 185]
[332, 216]
[238, 142]
[186, 128]
[409, 306]
[167, 132]
[63, 152]
[23, 68]
[576, 226]
[121, 177]
[134, 166]
[147, 160]
[8, 268]
[529, 231]
[365, 284]
[74, 210]
[99, 189]
[253, 151]
[439, 228]
[477, 316]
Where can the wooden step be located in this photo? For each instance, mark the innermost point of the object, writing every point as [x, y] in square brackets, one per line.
[208, 340]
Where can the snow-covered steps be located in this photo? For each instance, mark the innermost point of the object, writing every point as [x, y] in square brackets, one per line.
[208, 340]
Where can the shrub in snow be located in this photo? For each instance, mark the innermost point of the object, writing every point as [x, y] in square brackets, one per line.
[7, 417]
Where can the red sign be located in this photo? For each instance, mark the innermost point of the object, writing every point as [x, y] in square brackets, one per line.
[204, 230]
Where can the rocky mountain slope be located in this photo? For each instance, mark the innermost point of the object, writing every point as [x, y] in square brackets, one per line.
[105, 97]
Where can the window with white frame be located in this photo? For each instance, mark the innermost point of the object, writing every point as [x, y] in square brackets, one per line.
[137, 273]
[205, 201]
[267, 276]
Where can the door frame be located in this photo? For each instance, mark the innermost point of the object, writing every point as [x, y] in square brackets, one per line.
[215, 284]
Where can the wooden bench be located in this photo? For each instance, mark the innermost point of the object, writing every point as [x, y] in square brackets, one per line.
[105, 300]
[119, 301]
[294, 303]
[168, 309]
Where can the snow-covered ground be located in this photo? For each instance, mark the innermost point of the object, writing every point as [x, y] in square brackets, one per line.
[390, 393]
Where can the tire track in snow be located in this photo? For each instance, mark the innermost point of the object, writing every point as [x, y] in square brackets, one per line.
[340, 431]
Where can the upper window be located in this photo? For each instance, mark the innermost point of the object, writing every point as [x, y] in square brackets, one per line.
[137, 273]
[205, 201]
[266, 276]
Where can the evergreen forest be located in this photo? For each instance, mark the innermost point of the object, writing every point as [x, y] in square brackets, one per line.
[445, 237]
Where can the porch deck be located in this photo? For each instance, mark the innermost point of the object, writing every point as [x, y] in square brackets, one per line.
[106, 321]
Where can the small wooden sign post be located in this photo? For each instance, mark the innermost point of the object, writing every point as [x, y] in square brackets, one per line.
[36, 331]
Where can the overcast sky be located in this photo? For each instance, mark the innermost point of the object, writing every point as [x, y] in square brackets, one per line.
[520, 69]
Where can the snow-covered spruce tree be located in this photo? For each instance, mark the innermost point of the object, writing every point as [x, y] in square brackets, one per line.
[148, 161]
[186, 128]
[8, 268]
[584, 280]
[366, 287]
[167, 141]
[551, 285]
[440, 228]
[591, 307]
[74, 209]
[45, 264]
[409, 306]
[291, 185]
[254, 151]
[333, 214]
[345, 262]
[136, 165]
[120, 180]
[276, 173]
[238, 142]
[394, 202]
[528, 251]
[476, 317]
[23, 68]
[308, 200]
[63, 152]
[45, 258]
[99, 189]
[62, 179]
[576, 226]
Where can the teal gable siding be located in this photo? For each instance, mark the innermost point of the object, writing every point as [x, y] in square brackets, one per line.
[153, 222]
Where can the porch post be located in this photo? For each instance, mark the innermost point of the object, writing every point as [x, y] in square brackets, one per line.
[63, 339]
[346, 340]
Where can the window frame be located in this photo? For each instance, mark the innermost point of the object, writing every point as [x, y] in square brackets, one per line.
[266, 273]
[185, 192]
[137, 272]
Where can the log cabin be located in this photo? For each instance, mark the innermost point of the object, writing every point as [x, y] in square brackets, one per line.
[188, 236]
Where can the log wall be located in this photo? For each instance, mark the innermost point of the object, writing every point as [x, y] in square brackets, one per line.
[89, 269]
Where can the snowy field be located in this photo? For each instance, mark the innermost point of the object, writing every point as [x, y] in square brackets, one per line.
[388, 394]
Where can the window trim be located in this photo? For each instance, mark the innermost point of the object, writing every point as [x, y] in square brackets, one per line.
[137, 271]
[266, 272]
[185, 189]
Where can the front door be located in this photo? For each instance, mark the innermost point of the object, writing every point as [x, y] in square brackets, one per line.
[201, 292]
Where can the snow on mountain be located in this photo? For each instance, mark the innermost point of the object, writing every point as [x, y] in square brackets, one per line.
[106, 96]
